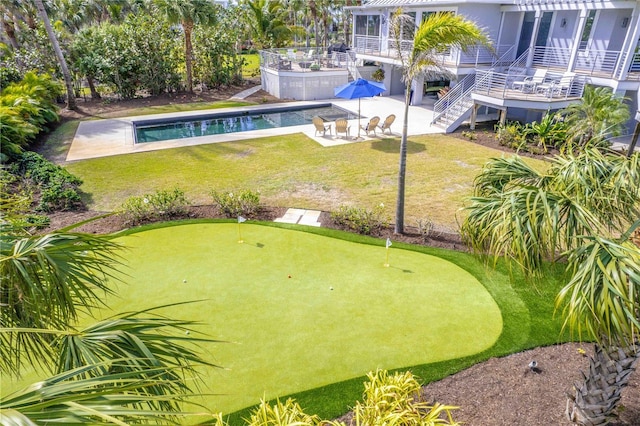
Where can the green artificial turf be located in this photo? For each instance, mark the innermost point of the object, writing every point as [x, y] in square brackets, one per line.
[341, 313]
[432, 311]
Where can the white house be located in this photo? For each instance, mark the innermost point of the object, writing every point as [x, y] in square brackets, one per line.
[545, 53]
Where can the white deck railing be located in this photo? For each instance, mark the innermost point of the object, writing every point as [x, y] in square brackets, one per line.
[601, 62]
[301, 60]
[555, 87]
[551, 57]
[444, 105]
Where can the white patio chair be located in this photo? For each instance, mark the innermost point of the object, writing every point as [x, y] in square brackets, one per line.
[529, 83]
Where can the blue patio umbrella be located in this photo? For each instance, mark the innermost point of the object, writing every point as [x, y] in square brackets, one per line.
[359, 88]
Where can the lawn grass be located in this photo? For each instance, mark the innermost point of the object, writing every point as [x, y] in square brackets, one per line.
[251, 67]
[295, 171]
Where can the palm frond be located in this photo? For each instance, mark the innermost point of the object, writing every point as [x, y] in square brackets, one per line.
[603, 298]
[68, 271]
[82, 397]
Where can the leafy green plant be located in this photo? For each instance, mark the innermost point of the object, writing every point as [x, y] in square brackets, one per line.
[361, 220]
[425, 227]
[510, 134]
[162, 204]
[27, 107]
[470, 135]
[289, 413]
[395, 400]
[232, 204]
[549, 132]
[58, 189]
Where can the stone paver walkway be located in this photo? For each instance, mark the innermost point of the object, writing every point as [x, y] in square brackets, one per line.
[301, 217]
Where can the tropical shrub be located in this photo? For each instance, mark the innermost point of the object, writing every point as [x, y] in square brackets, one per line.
[242, 203]
[8, 75]
[162, 204]
[599, 116]
[388, 399]
[27, 107]
[510, 134]
[139, 54]
[58, 189]
[395, 400]
[549, 132]
[218, 62]
[361, 220]
[289, 413]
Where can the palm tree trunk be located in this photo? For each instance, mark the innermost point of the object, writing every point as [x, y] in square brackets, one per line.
[71, 99]
[399, 225]
[188, 53]
[596, 399]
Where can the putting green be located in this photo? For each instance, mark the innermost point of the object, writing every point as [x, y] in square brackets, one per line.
[302, 310]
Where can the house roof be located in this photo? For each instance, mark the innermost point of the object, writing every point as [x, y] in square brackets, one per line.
[400, 3]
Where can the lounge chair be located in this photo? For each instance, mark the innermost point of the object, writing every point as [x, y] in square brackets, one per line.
[342, 126]
[371, 125]
[556, 85]
[387, 123]
[321, 126]
[529, 84]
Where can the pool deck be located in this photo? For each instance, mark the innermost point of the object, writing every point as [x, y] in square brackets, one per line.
[101, 138]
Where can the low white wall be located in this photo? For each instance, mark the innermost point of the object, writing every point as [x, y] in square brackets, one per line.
[303, 86]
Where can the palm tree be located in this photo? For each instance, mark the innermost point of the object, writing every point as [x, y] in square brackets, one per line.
[267, 23]
[600, 115]
[125, 368]
[71, 99]
[581, 210]
[437, 34]
[188, 13]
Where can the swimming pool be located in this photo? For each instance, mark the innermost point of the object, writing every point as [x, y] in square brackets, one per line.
[214, 124]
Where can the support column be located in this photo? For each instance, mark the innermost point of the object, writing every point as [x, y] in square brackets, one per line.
[584, 13]
[417, 86]
[474, 115]
[629, 45]
[503, 116]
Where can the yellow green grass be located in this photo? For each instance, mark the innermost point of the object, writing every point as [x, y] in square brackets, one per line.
[284, 302]
[295, 171]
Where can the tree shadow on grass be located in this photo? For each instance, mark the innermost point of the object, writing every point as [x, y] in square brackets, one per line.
[392, 146]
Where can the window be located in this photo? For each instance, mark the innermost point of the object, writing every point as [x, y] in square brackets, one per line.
[586, 31]
[543, 30]
[368, 25]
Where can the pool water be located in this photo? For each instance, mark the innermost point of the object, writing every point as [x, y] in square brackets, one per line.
[149, 131]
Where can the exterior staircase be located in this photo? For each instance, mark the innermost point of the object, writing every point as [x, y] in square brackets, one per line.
[454, 108]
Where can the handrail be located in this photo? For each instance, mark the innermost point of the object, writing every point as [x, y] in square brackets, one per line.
[519, 64]
[556, 86]
[556, 57]
[504, 57]
[460, 91]
[601, 62]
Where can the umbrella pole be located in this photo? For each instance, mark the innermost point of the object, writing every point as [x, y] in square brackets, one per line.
[358, 118]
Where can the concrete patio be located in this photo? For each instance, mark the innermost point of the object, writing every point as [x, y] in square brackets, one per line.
[100, 138]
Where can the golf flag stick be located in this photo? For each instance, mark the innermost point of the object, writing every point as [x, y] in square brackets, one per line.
[387, 245]
[240, 220]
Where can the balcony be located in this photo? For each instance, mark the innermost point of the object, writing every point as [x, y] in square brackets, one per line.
[555, 90]
[476, 56]
[304, 60]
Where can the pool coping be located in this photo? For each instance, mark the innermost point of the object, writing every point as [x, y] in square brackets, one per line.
[101, 138]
